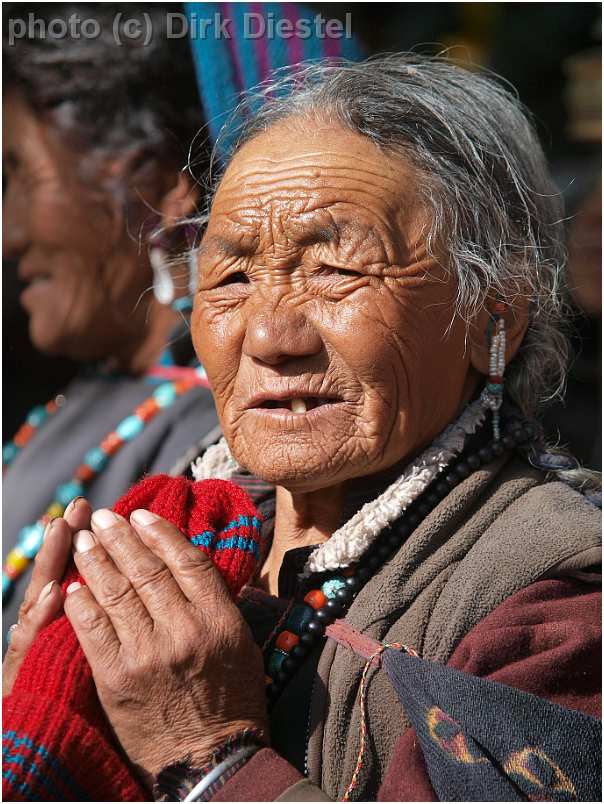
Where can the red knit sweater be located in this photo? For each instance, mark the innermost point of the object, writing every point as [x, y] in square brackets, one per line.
[57, 743]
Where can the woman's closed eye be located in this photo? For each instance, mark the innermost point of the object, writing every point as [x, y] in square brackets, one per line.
[338, 270]
[237, 278]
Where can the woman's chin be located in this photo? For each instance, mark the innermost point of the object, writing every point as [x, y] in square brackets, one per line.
[296, 467]
[45, 336]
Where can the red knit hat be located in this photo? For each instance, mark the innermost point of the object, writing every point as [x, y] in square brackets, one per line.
[57, 743]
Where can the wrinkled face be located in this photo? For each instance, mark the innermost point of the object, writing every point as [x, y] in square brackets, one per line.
[326, 330]
[76, 252]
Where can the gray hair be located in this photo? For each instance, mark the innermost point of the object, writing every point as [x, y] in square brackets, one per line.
[495, 212]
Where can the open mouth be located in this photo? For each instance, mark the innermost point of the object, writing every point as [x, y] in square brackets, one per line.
[296, 404]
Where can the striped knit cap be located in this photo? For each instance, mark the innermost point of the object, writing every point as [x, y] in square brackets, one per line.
[57, 744]
[232, 59]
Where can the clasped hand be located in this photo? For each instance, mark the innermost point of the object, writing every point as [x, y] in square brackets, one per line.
[175, 665]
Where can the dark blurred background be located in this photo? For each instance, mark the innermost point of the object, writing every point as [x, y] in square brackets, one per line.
[551, 53]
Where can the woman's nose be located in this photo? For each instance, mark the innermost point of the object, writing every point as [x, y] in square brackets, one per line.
[279, 334]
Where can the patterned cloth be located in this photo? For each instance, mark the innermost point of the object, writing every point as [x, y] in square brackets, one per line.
[484, 741]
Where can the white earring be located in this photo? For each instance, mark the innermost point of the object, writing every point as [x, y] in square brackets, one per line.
[163, 286]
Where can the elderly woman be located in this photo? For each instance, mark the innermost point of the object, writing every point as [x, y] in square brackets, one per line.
[381, 265]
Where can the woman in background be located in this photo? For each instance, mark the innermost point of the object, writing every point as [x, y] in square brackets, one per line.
[95, 139]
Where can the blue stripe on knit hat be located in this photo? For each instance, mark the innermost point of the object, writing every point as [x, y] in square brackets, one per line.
[226, 67]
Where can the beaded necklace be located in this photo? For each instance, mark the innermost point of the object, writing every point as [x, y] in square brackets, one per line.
[318, 606]
[30, 537]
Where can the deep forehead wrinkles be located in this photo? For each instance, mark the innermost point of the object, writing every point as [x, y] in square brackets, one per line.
[311, 186]
[319, 178]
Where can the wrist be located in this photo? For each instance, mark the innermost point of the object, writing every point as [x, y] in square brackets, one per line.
[189, 779]
[205, 750]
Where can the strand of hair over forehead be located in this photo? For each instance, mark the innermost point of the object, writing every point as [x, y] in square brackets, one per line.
[495, 217]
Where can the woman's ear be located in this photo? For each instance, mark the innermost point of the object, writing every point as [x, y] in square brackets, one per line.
[516, 317]
[179, 201]
[162, 188]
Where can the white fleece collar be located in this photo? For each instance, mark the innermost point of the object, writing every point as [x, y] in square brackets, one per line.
[349, 542]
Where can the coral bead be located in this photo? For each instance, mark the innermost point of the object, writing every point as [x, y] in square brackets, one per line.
[84, 473]
[111, 443]
[315, 598]
[25, 432]
[286, 641]
[147, 409]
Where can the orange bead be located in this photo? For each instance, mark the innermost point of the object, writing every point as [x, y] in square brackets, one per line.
[111, 443]
[23, 435]
[11, 572]
[182, 386]
[316, 599]
[286, 641]
[51, 407]
[84, 473]
[147, 409]
[499, 307]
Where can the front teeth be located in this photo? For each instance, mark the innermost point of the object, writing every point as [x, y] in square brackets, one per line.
[298, 406]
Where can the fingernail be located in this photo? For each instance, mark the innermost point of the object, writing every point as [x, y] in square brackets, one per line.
[72, 505]
[46, 590]
[83, 540]
[104, 518]
[47, 529]
[143, 517]
[73, 587]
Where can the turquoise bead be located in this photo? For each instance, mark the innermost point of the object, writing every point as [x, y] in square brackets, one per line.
[9, 452]
[275, 660]
[7, 585]
[67, 491]
[32, 541]
[130, 427]
[23, 534]
[330, 588]
[183, 305]
[298, 618]
[165, 395]
[96, 459]
[37, 416]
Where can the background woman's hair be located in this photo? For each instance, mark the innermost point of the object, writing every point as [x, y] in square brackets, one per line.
[496, 219]
[110, 96]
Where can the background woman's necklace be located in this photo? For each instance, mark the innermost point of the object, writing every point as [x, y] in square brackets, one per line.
[30, 537]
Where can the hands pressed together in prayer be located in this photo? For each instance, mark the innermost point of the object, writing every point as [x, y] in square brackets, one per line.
[175, 665]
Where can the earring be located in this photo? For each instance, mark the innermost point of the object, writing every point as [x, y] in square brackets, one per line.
[163, 286]
[492, 394]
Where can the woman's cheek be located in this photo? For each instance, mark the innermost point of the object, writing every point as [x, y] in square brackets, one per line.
[216, 348]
